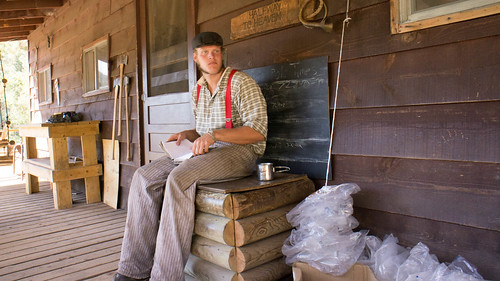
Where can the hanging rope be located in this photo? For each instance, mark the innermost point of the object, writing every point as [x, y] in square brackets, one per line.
[4, 82]
[344, 24]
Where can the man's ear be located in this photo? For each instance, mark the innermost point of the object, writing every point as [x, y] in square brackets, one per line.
[195, 55]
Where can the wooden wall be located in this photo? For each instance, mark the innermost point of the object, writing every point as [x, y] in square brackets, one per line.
[76, 24]
[418, 120]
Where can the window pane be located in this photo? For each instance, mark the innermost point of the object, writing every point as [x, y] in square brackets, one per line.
[424, 4]
[41, 87]
[167, 42]
[48, 85]
[88, 69]
[102, 66]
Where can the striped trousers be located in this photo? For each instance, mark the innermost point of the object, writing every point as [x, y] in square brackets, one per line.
[160, 217]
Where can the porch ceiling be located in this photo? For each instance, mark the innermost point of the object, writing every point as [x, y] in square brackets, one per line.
[18, 18]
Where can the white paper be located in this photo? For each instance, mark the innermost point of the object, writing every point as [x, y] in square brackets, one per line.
[177, 152]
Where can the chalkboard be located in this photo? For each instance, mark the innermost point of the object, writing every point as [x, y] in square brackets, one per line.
[297, 106]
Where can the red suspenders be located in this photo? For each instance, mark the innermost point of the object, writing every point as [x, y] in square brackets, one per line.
[229, 121]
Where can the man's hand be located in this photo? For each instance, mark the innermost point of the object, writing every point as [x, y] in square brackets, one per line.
[201, 145]
[188, 134]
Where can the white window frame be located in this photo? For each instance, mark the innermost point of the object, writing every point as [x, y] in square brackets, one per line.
[44, 85]
[403, 19]
[94, 69]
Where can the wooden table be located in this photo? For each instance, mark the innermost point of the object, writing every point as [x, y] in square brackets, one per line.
[57, 167]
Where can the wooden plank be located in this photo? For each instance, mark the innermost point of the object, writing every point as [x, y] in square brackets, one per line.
[248, 183]
[108, 264]
[25, 14]
[261, 226]
[429, 189]
[275, 15]
[466, 131]
[250, 203]
[62, 227]
[63, 261]
[68, 273]
[405, 78]
[26, 4]
[58, 247]
[245, 258]
[31, 167]
[90, 171]
[111, 173]
[30, 151]
[210, 9]
[480, 247]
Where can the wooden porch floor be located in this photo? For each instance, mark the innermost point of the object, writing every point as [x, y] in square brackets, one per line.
[38, 242]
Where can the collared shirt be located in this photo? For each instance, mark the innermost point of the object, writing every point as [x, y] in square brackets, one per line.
[248, 106]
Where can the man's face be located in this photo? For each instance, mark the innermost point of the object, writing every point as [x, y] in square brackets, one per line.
[208, 59]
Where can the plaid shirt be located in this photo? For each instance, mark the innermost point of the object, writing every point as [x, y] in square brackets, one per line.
[248, 106]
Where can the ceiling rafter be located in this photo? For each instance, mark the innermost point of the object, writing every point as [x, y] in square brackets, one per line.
[29, 4]
[18, 18]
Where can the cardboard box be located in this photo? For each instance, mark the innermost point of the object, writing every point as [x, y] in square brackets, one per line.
[358, 272]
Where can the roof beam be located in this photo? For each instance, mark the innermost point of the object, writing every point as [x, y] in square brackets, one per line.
[29, 4]
[18, 28]
[4, 38]
[26, 14]
[12, 23]
[15, 34]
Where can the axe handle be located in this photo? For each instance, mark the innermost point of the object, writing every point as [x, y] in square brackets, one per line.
[120, 101]
[126, 122]
[114, 122]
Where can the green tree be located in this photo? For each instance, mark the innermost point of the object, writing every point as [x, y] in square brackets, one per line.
[14, 57]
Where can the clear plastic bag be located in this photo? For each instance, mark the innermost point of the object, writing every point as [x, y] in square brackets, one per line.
[388, 258]
[419, 265]
[458, 270]
[461, 265]
[323, 237]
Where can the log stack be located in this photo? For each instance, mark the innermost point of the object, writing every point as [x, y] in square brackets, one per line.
[240, 227]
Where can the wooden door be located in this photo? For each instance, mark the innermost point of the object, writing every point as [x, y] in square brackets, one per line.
[168, 71]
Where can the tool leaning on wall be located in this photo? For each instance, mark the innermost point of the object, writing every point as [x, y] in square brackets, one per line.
[121, 86]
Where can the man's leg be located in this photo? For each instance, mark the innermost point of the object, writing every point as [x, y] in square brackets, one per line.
[143, 215]
[177, 215]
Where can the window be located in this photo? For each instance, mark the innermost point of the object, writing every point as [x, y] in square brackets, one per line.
[44, 85]
[95, 70]
[410, 15]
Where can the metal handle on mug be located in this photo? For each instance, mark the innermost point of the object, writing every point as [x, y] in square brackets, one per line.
[285, 169]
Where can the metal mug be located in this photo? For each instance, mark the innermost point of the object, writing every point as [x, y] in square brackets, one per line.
[265, 171]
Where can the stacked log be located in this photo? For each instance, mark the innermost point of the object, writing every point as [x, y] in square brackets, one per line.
[240, 227]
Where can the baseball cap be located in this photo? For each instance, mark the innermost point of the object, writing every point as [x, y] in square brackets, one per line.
[207, 39]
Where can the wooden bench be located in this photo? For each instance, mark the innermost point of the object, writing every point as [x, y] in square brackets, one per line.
[241, 225]
[57, 167]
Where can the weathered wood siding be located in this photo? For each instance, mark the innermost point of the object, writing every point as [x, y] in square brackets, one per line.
[77, 24]
[418, 120]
